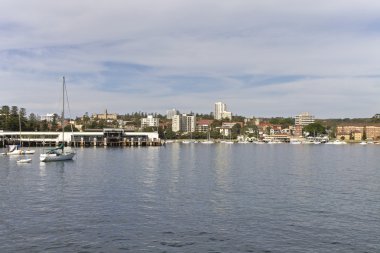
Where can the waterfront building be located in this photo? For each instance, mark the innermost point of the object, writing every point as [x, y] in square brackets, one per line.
[342, 129]
[203, 125]
[184, 123]
[302, 120]
[372, 132]
[220, 111]
[149, 121]
[344, 136]
[99, 137]
[171, 113]
[357, 135]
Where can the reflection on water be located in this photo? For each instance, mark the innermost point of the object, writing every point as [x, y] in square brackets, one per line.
[194, 198]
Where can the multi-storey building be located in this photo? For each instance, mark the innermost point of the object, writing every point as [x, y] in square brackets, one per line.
[220, 111]
[304, 119]
[183, 122]
[203, 125]
[372, 132]
[348, 129]
[149, 121]
[106, 116]
[171, 113]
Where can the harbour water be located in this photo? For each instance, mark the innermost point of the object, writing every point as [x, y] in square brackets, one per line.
[195, 198]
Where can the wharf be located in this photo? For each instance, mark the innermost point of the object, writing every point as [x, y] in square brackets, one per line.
[113, 137]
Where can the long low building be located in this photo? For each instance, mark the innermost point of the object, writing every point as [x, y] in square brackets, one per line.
[105, 137]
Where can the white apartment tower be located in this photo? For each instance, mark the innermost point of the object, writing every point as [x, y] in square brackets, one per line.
[149, 121]
[171, 113]
[220, 111]
[304, 119]
[184, 122]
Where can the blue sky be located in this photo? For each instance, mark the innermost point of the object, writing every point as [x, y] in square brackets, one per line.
[262, 58]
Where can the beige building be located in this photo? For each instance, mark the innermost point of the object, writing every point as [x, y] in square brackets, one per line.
[357, 135]
[106, 116]
[343, 136]
[372, 132]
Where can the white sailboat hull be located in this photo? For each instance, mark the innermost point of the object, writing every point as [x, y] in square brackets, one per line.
[57, 157]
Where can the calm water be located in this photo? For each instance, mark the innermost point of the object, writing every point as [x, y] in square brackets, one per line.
[195, 198]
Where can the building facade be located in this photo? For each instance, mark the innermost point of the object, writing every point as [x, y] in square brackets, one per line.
[304, 119]
[184, 123]
[220, 111]
[171, 113]
[48, 117]
[149, 121]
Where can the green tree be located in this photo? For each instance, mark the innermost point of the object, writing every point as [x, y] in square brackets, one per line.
[32, 123]
[236, 130]
[315, 129]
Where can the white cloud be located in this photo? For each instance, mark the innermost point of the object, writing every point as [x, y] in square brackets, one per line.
[333, 43]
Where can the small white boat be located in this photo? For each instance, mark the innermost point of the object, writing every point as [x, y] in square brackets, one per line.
[26, 160]
[207, 142]
[295, 142]
[337, 142]
[363, 143]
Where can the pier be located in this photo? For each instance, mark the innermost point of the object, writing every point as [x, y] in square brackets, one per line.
[108, 137]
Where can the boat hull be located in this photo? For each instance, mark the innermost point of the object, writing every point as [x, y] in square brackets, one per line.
[56, 157]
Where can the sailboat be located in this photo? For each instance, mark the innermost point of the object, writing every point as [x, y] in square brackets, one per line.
[28, 151]
[208, 139]
[16, 149]
[229, 141]
[189, 141]
[59, 153]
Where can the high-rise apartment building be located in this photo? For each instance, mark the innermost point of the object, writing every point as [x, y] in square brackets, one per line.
[304, 119]
[149, 121]
[183, 122]
[220, 111]
[171, 113]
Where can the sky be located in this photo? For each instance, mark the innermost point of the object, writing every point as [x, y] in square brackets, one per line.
[262, 58]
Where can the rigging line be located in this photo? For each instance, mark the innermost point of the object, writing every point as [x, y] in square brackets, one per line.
[68, 107]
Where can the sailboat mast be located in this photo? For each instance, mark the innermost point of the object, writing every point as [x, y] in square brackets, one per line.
[63, 112]
[19, 125]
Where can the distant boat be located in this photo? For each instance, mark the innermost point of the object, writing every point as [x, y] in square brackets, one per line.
[26, 160]
[59, 153]
[208, 140]
[295, 142]
[363, 143]
[28, 151]
[337, 142]
[13, 150]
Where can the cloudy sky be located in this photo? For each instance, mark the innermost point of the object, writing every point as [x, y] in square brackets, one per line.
[262, 58]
